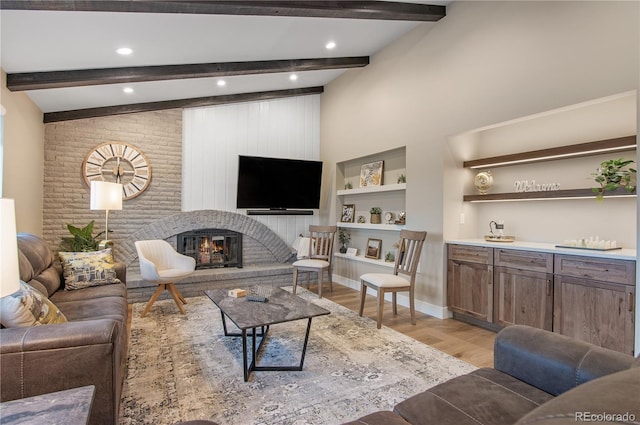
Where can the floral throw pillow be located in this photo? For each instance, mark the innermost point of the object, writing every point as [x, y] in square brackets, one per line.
[85, 269]
[28, 307]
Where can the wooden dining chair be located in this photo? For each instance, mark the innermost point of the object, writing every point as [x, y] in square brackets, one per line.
[319, 258]
[403, 277]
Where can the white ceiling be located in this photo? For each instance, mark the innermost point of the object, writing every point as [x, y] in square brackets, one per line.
[35, 41]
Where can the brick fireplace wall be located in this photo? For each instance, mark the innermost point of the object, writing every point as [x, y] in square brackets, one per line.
[66, 196]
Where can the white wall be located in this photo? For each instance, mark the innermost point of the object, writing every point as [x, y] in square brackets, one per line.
[484, 63]
[213, 137]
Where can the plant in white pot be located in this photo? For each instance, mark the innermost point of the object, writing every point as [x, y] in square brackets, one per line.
[375, 215]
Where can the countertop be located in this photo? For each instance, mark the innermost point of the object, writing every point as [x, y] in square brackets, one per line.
[619, 254]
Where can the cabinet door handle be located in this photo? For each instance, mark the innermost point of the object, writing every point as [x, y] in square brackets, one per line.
[490, 270]
[548, 287]
[630, 301]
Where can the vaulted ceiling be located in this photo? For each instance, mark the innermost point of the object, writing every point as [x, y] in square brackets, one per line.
[62, 53]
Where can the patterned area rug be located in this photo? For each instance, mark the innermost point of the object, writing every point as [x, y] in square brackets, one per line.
[182, 367]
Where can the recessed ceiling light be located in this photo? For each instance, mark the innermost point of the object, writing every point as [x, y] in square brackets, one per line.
[293, 77]
[222, 83]
[124, 51]
[330, 45]
[127, 90]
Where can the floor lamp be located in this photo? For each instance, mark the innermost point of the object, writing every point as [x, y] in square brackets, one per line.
[106, 196]
[9, 269]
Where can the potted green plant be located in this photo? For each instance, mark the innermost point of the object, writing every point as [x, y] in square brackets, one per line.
[81, 239]
[344, 239]
[375, 215]
[612, 174]
[390, 257]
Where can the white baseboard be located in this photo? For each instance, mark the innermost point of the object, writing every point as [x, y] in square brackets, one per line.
[421, 306]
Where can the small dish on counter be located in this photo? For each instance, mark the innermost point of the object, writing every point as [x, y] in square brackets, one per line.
[494, 238]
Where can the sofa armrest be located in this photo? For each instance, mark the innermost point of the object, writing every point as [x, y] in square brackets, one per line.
[552, 362]
[43, 359]
[121, 272]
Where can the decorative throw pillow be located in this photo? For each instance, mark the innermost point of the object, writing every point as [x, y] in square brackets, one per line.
[28, 307]
[84, 269]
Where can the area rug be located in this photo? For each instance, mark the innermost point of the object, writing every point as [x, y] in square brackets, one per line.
[182, 367]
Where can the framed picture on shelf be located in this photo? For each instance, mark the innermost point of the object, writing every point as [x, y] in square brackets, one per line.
[352, 251]
[373, 248]
[348, 213]
[371, 174]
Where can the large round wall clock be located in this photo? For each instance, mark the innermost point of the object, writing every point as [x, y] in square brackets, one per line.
[120, 163]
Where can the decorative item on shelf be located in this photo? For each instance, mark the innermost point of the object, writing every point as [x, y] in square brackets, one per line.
[371, 174]
[344, 239]
[402, 178]
[613, 174]
[390, 257]
[352, 251]
[375, 215]
[593, 242]
[373, 248]
[483, 181]
[348, 185]
[361, 219]
[389, 218]
[348, 212]
[402, 218]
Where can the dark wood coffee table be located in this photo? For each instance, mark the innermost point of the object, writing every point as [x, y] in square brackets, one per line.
[250, 315]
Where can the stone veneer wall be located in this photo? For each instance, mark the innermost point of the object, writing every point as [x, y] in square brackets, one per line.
[66, 196]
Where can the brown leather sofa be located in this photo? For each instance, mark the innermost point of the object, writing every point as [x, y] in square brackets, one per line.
[539, 377]
[90, 349]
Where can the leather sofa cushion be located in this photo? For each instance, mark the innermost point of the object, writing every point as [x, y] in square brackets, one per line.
[99, 308]
[484, 396]
[379, 418]
[93, 292]
[35, 262]
[615, 397]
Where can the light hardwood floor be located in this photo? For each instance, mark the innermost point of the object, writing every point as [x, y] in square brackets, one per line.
[467, 342]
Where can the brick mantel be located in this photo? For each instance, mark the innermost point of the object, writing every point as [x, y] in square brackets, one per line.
[168, 227]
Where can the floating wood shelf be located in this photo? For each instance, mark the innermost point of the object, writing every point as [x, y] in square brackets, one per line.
[620, 144]
[553, 194]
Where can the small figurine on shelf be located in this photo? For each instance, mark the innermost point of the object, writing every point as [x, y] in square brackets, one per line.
[390, 257]
[402, 178]
[402, 218]
[348, 185]
[344, 239]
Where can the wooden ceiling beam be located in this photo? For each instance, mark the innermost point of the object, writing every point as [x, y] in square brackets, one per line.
[89, 77]
[50, 117]
[380, 10]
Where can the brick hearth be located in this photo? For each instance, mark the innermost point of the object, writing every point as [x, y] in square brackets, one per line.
[266, 257]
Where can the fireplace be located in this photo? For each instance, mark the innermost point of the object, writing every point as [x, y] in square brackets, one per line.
[212, 247]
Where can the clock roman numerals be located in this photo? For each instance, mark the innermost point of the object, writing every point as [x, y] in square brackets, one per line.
[118, 162]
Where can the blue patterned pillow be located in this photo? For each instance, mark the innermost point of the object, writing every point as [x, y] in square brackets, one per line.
[85, 269]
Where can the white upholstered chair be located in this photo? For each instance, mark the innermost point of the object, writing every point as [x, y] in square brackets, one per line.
[319, 258]
[160, 263]
[403, 277]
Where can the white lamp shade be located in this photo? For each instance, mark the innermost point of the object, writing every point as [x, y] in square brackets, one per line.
[106, 195]
[9, 268]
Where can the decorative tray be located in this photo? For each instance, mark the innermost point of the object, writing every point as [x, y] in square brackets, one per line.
[492, 238]
[586, 247]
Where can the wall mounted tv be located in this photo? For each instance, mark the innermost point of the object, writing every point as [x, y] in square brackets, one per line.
[279, 185]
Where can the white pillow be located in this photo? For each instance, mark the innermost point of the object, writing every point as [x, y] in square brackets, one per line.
[28, 307]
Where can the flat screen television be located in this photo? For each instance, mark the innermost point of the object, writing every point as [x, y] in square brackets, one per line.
[278, 183]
